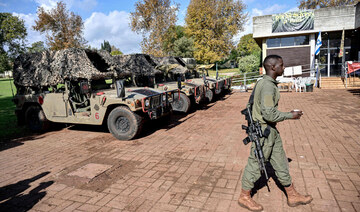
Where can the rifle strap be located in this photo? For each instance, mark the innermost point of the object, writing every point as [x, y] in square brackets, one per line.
[251, 99]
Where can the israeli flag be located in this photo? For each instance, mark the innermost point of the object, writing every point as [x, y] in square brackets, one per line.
[318, 44]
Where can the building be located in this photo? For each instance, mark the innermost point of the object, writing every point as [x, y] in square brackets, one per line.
[293, 36]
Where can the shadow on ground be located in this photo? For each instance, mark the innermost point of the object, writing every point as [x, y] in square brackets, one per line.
[13, 199]
[355, 92]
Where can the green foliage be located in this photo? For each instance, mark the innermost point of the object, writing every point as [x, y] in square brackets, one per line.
[116, 52]
[212, 24]
[36, 47]
[184, 47]
[4, 62]
[12, 38]
[173, 34]
[247, 45]
[249, 63]
[65, 27]
[152, 19]
[315, 4]
[106, 46]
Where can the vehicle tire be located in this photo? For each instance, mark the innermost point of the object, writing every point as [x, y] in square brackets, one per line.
[124, 124]
[35, 119]
[209, 95]
[181, 104]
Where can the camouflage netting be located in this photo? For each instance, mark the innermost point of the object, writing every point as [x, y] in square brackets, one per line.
[50, 68]
[171, 64]
[137, 64]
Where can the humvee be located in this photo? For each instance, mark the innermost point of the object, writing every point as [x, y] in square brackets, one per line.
[172, 76]
[83, 87]
[161, 74]
[214, 85]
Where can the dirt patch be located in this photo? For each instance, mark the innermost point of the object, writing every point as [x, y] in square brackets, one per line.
[112, 171]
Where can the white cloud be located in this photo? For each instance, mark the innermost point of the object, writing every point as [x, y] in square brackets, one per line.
[114, 28]
[85, 5]
[33, 36]
[47, 4]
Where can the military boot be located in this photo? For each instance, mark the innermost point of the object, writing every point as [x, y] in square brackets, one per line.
[246, 201]
[294, 198]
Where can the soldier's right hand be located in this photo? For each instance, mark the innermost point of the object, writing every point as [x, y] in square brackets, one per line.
[297, 114]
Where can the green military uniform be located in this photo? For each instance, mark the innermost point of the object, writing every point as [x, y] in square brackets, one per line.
[266, 98]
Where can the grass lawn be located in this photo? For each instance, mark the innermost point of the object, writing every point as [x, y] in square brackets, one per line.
[8, 121]
[222, 72]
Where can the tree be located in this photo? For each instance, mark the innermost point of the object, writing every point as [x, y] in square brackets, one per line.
[106, 46]
[247, 45]
[65, 27]
[152, 19]
[115, 51]
[12, 39]
[212, 24]
[314, 4]
[249, 63]
[184, 47]
[173, 34]
[36, 47]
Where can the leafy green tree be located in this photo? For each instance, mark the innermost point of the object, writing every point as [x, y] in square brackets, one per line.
[249, 63]
[247, 45]
[106, 46]
[116, 52]
[184, 47]
[152, 19]
[314, 4]
[65, 27]
[12, 39]
[212, 24]
[173, 34]
[36, 47]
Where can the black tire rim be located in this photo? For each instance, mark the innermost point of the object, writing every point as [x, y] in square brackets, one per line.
[34, 121]
[122, 124]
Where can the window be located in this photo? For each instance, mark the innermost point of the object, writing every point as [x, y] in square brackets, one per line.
[288, 41]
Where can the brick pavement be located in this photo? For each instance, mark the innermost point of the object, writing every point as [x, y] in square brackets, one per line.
[194, 164]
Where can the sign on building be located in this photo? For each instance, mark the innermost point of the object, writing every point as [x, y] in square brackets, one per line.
[293, 21]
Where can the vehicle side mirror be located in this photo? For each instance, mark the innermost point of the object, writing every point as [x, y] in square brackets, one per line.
[84, 87]
[179, 82]
[120, 88]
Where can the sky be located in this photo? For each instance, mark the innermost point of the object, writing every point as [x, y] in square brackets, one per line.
[109, 19]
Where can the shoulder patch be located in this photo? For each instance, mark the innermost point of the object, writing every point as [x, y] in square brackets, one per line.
[268, 101]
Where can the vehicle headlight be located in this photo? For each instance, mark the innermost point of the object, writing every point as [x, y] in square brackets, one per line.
[147, 103]
[164, 97]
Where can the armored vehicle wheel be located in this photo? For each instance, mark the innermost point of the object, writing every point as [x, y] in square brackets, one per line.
[123, 123]
[181, 104]
[35, 119]
[209, 95]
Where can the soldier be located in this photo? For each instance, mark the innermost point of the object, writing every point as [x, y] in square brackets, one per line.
[266, 98]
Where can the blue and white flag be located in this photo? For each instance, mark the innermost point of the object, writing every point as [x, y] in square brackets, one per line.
[318, 44]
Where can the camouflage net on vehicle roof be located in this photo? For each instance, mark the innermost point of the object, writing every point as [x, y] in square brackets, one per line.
[171, 64]
[49, 68]
[137, 64]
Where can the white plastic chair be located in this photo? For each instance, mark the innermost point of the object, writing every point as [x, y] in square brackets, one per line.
[300, 83]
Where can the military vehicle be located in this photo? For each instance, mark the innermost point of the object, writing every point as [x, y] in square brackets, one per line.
[83, 87]
[172, 76]
[154, 72]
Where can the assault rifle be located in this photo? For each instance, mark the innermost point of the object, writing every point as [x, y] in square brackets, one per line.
[254, 134]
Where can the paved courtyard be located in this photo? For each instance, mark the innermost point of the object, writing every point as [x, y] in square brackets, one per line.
[194, 163]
